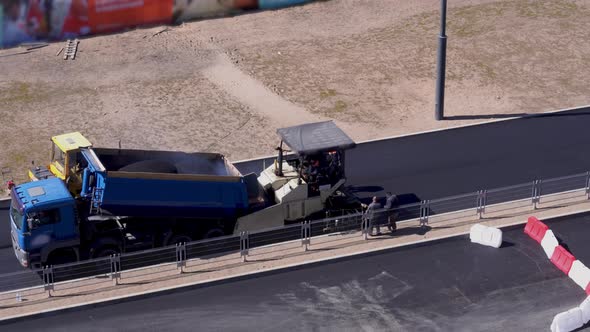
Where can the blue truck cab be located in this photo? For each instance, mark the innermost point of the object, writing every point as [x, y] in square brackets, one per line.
[42, 215]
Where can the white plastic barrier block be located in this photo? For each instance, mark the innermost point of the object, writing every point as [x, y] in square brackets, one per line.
[585, 308]
[493, 237]
[488, 236]
[549, 243]
[476, 232]
[580, 274]
[567, 321]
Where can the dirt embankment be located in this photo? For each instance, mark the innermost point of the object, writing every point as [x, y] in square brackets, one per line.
[226, 84]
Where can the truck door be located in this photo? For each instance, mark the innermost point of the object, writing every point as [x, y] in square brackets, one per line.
[41, 226]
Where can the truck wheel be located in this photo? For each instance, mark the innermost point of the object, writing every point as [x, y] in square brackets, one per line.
[61, 256]
[215, 232]
[105, 252]
[177, 238]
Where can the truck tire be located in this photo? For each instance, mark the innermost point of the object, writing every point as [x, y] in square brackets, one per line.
[59, 259]
[106, 251]
[173, 239]
[214, 232]
[104, 247]
[62, 256]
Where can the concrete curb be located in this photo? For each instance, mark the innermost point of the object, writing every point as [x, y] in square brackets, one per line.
[527, 116]
[252, 274]
[429, 131]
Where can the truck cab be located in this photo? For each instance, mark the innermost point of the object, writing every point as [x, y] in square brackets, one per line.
[63, 161]
[43, 219]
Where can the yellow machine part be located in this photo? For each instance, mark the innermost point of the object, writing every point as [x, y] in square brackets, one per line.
[71, 141]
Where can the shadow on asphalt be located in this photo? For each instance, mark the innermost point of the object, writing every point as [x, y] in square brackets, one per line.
[360, 189]
[415, 230]
[506, 244]
[486, 116]
[513, 115]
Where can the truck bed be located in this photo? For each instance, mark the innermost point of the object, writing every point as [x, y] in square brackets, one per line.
[164, 183]
[169, 162]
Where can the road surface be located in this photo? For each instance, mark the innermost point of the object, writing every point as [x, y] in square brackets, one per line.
[449, 285]
[445, 163]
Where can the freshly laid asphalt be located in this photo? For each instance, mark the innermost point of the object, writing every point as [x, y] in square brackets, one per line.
[444, 163]
[4, 230]
[450, 162]
[447, 285]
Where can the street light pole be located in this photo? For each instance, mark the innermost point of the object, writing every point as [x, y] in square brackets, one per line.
[441, 64]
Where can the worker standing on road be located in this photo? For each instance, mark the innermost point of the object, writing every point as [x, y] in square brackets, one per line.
[371, 215]
[391, 203]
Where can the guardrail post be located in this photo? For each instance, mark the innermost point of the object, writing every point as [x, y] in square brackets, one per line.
[365, 227]
[536, 194]
[244, 245]
[181, 256]
[485, 201]
[48, 279]
[588, 185]
[478, 204]
[305, 234]
[424, 212]
[116, 268]
[481, 202]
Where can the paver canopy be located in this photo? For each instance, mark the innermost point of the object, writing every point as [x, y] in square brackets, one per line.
[311, 138]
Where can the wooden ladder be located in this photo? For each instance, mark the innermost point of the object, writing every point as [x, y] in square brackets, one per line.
[71, 49]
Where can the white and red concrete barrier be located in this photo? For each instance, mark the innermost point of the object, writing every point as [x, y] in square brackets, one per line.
[585, 308]
[580, 274]
[559, 256]
[536, 229]
[562, 259]
[568, 264]
[549, 243]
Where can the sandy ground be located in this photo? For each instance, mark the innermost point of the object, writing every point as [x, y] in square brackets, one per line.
[226, 85]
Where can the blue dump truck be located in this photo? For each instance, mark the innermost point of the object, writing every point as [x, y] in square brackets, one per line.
[128, 200]
[94, 202]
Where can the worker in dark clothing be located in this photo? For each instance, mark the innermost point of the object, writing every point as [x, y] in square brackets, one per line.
[372, 217]
[391, 202]
[313, 170]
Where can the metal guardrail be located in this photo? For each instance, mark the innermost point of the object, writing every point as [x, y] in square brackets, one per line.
[68, 276]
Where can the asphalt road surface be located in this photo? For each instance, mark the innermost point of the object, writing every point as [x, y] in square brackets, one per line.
[4, 229]
[448, 285]
[445, 163]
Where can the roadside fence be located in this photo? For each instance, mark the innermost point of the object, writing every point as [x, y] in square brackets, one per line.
[15, 286]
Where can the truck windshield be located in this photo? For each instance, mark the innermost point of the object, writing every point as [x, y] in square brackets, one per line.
[17, 217]
[58, 156]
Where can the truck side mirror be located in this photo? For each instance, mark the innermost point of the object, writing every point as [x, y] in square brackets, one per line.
[33, 223]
